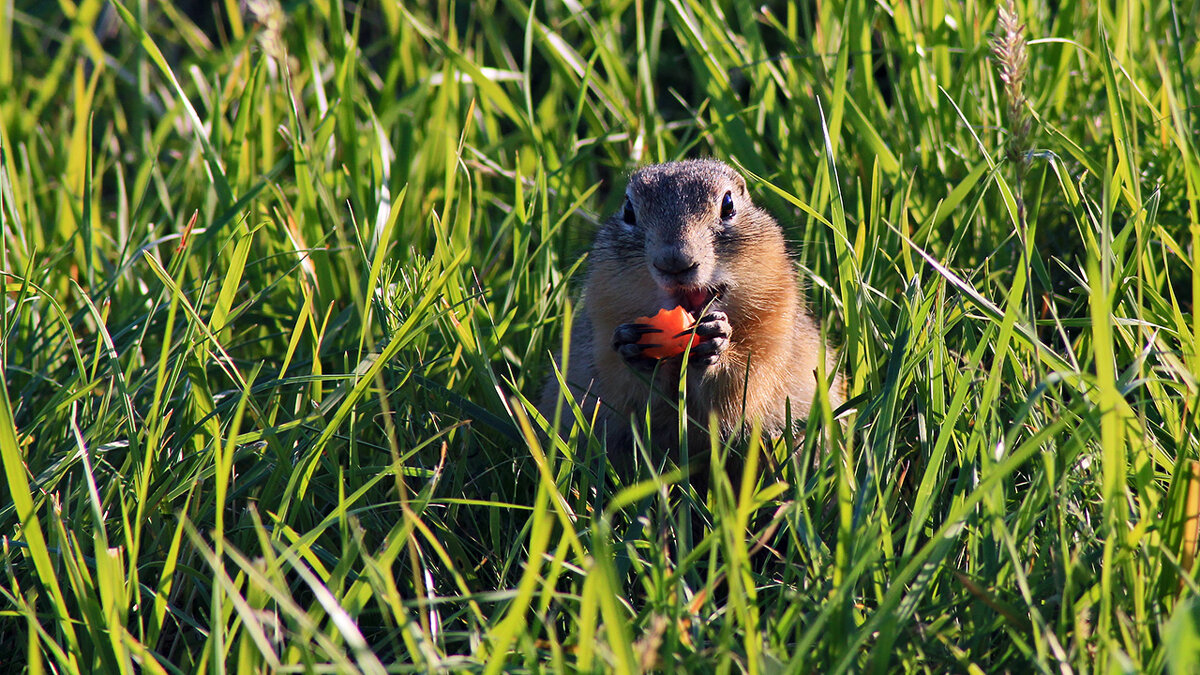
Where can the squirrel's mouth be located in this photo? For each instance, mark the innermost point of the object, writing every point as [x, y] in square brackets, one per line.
[697, 300]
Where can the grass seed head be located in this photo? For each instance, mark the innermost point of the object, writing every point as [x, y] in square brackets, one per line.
[1009, 49]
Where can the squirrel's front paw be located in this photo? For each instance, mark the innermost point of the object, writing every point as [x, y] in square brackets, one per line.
[714, 331]
[625, 343]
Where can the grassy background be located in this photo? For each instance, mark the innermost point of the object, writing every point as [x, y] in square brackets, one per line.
[280, 281]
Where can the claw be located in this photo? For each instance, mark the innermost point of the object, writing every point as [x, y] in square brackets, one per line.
[626, 343]
[714, 330]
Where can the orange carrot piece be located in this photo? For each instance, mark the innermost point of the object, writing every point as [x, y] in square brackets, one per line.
[671, 322]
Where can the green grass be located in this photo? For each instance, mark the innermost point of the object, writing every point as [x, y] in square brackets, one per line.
[279, 287]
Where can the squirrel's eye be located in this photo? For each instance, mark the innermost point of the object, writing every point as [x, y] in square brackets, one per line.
[727, 206]
[627, 215]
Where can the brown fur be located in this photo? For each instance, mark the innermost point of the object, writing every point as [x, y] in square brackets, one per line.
[773, 345]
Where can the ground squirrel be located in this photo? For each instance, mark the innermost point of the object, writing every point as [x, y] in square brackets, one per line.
[688, 235]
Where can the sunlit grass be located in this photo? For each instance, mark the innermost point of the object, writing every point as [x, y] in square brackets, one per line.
[281, 283]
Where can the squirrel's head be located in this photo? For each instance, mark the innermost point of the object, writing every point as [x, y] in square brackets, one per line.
[689, 221]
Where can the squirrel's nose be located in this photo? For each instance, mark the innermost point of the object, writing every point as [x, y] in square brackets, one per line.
[674, 264]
